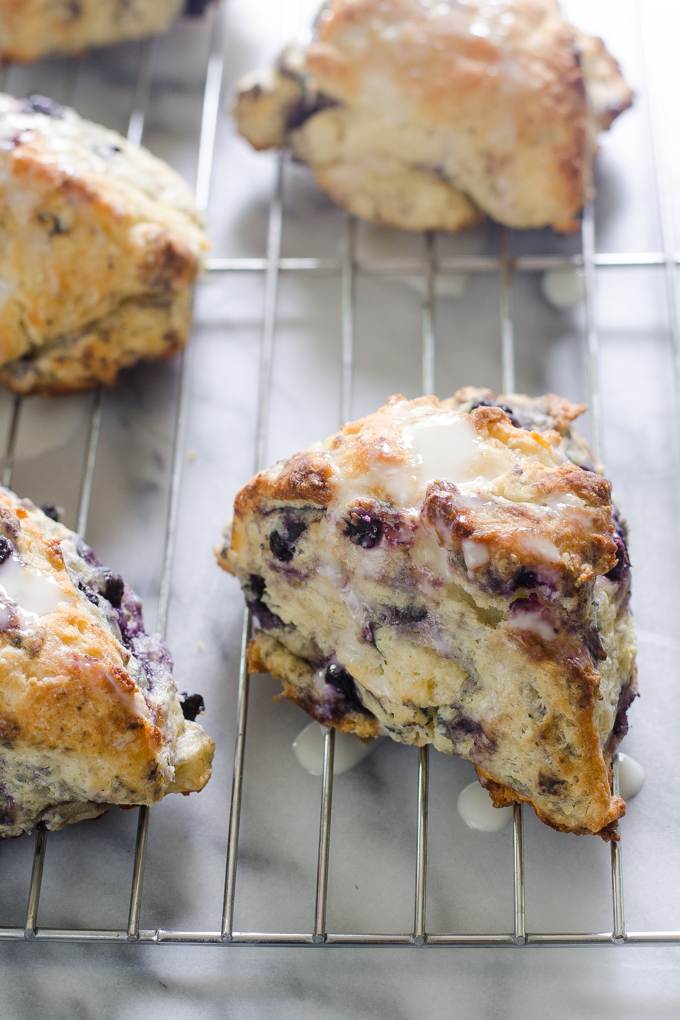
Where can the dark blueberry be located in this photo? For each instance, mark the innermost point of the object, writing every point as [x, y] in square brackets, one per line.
[50, 510]
[405, 617]
[192, 705]
[504, 407]
[5, 548]
[7, 807]
[526, 579]
[619, 524]
[53, 224]
[87, 554]
[364, 529]
[280, 547]
[259, 608]
[88, 593]
[343, 682]
[113, 592]
[618, 571]
[195, 8]
[304, 108]
[551, 785]
[283, 546]
[462, 728]
[41, 104]
[626, 698]
[294, 529]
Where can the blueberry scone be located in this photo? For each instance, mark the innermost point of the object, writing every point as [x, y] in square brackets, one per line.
[100, 244]
[90, 716]
[425, 115]
[452, 573]
[30, 29]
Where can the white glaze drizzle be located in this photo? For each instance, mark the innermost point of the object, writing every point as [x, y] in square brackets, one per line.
[35, 592]
[533, 621]
[442, 446]
[475, 554]
[477, 811]
[438, 447]
[349, 750]
[538, 546]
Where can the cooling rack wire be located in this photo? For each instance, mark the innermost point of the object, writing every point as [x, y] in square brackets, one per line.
[347, 268]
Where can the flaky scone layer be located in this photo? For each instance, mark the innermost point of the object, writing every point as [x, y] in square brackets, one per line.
[90, 716]
[452, 573]
[30, 29]
[100, 244]
[423, 115]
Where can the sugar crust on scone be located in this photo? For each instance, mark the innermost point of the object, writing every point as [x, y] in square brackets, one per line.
[90, 716]
[452, 573]
[30, 29]
[424, 116]
[100, 244]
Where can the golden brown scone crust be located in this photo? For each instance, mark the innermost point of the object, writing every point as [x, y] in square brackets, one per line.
[419, 115]
[452, 572]
[89, 711]
[30, 29]
[100, 244]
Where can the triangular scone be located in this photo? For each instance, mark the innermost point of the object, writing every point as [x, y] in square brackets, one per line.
[90, 716]
[452, 573]
[100, 244]
[29, 29]
[424, 115]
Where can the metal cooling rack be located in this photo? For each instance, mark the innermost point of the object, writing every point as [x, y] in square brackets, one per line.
[348, 269]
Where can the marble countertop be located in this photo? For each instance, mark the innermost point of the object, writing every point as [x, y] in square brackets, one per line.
[88, 867]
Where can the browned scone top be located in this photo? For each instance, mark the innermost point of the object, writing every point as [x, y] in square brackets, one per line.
[100, 244]
[425, 115]
[30, 29]
[90, 716]
[452, 572]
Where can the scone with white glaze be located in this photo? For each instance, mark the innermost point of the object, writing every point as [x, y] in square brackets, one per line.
[452, 573]
[30, 29]
[100, 244]
[425, 115]
[90, 716]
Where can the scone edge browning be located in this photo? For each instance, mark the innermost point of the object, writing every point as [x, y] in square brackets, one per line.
[547, 589]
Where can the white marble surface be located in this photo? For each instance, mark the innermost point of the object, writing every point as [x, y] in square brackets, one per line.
[88, 867]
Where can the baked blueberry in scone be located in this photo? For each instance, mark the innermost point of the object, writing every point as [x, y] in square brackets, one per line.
[90, 716]
[452, 573]
[425, 115]
[100, 244]
[30, 29]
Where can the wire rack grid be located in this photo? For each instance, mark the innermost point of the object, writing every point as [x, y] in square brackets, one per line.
[348, 268]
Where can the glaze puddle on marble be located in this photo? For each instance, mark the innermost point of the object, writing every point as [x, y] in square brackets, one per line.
[563, 288]
[477, 811]
[631, 776]
[349, 750]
